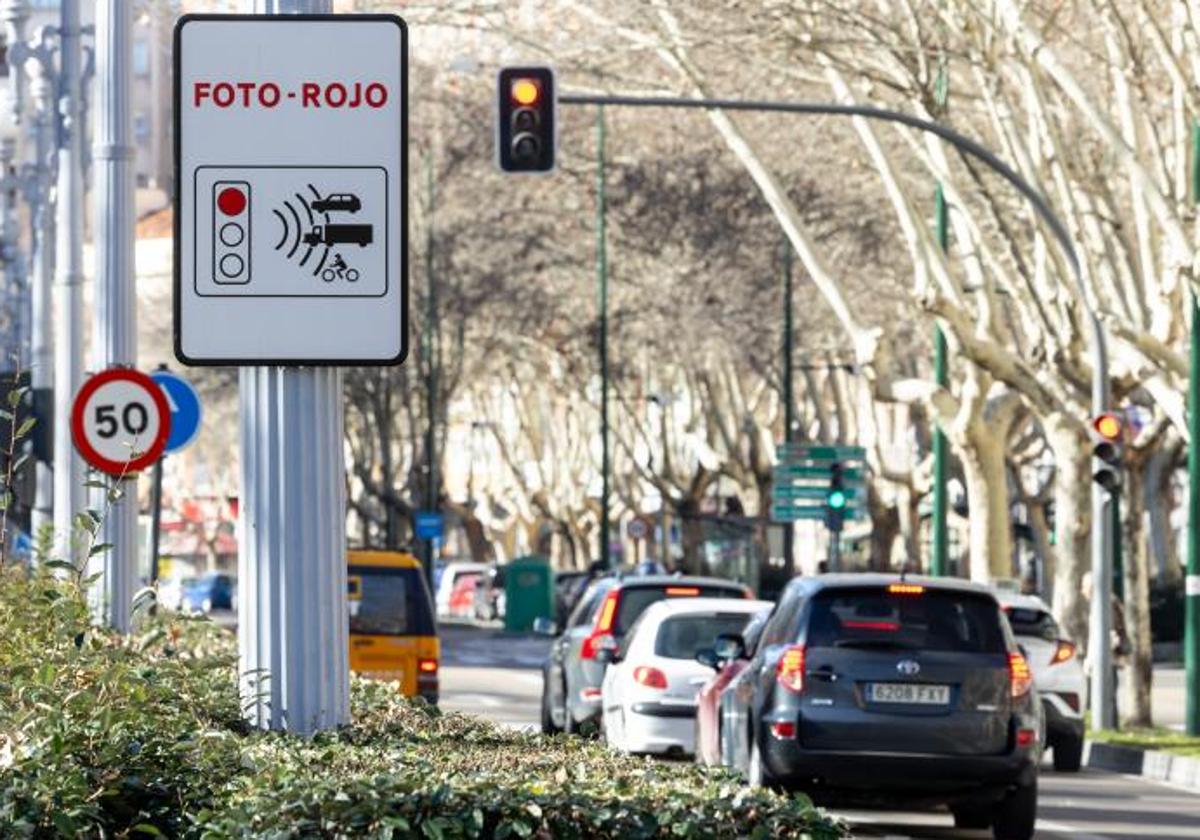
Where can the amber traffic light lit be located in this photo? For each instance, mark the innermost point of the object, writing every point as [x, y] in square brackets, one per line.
[525, 91]
[1108, 426]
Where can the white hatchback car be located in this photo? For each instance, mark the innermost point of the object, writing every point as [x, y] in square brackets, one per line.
[648, 697]
[1057, 675]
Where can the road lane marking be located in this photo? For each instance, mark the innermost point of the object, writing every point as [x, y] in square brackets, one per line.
[1069, 830]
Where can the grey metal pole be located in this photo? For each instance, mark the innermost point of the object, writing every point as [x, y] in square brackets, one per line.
[68, 282]
[293, 622]
[11, 255]
[114, 330]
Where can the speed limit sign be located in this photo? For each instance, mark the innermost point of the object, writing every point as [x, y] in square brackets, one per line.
[120, 421]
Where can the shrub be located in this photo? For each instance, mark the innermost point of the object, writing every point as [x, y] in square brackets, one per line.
[108, 736]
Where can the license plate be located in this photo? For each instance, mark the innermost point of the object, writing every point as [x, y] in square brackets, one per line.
[933, 695]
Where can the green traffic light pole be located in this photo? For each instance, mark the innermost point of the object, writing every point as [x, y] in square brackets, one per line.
[1102, 509]
[606, 558]
[938, 562]
[1191, 639]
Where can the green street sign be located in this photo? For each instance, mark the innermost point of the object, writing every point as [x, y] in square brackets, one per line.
[785, 470]
[805, 452]
[789, 513]
[817, 492]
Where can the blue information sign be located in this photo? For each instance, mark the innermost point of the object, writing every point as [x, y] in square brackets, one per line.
[429, 525]
[185, 408]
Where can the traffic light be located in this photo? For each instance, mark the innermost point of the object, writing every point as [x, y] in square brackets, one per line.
[836, 498]
[1108, 435]
[525, 125]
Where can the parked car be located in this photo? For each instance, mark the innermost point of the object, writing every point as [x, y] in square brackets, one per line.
[708, 699]
[462, 598]
[210, 591]
[891, 691]
[1057, 675]
[490, 594]
[393, 634]
[609, 607]
[648, 695]
[449, 577]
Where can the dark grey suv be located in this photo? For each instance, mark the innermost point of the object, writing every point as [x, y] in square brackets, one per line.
[880, 689]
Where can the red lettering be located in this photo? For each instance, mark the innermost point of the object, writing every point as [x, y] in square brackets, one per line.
[376, 95]
[223, 91]
[341, 95]
[201, 91]
[310, 94]
[268, 95]
[356, 96]
[246, 88]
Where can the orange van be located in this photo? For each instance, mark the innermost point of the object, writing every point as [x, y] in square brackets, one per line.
[393, 635]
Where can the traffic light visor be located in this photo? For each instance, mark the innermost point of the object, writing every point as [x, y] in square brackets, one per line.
[525, 91]
[1108, 427]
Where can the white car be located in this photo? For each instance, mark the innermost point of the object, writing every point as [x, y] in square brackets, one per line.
[450, 576]
[1057, 675]
[648, 697]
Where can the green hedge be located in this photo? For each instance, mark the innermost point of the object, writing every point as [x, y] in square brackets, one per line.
[110, 737]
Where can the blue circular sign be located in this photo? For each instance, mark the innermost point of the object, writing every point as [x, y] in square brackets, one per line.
[184, 402]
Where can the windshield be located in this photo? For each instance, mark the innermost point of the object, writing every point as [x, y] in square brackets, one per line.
[930, 620]
[388, 602]
[685, 636]
[635, 599]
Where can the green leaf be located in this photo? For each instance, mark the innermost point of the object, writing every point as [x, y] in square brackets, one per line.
[14, 398]
[146, 828]
[6, 415]
[99, 548]
[24, 428]
[59, 564]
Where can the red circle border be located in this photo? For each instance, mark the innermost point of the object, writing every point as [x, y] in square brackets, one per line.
[89, 453]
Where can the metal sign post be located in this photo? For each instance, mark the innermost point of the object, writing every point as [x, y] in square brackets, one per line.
[291, 250]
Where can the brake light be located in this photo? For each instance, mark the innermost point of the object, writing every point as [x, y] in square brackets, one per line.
[685, 591]
[905, 589]
[789, 673]
[604, 623]
[890, 626]
[427, 666]
[783, 729]
[1025, 737]
[649, 677]
[1020, 678]
[1063, 652]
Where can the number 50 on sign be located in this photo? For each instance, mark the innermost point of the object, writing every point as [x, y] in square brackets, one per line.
[120, 421]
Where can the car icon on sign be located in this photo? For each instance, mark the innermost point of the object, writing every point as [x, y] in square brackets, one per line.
[342, 201]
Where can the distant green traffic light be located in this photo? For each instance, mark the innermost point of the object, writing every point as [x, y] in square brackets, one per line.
[836, 499]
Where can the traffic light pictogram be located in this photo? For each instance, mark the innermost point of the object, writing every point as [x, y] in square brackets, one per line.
[526, 120]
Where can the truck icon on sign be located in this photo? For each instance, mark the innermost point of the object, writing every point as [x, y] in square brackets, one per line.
[329, 235]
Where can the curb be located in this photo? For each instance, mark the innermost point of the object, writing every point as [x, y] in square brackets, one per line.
[1149, 764]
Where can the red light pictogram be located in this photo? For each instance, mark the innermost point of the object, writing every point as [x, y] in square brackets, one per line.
[231, 201]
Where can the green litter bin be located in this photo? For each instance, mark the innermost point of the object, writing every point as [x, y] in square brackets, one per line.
[528, 593]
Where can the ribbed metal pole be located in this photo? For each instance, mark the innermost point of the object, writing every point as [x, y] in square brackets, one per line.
[293, 629]
[41, 336]
[789, 397]
[68, 285]
[602, 303]
[431, 361]
[114, 330]
[939, 561]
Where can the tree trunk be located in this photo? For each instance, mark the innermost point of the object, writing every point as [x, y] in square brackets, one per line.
[885, 528]
[1159, 499]
[989, 523]
[1137, 596]
[1072, 523]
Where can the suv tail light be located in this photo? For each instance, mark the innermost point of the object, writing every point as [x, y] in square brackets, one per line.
[1020, 678]
[604, 623]
[1063, 652]
[649, 677]
[789, 673]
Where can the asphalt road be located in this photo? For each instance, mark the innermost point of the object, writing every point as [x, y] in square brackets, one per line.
[498, 676]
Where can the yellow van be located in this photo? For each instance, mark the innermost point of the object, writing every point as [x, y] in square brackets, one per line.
[393, 635]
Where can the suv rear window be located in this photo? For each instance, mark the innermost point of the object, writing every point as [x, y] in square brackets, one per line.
[635, 599]
[930, 620]
[1027, 621]
[389, 602]
[685, 636]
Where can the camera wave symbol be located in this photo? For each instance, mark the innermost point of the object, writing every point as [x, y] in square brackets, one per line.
[293, 231]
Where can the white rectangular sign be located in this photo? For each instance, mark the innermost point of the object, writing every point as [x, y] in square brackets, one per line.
[291, 196]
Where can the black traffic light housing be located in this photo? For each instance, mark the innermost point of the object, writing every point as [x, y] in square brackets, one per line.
[1108, 437]
[836, 498]
[526, 124]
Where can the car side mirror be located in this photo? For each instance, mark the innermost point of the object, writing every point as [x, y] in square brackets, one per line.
[709, 659]
[543, 626]
[729, 646]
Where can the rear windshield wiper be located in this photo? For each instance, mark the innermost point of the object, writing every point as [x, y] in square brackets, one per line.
[875, 643]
